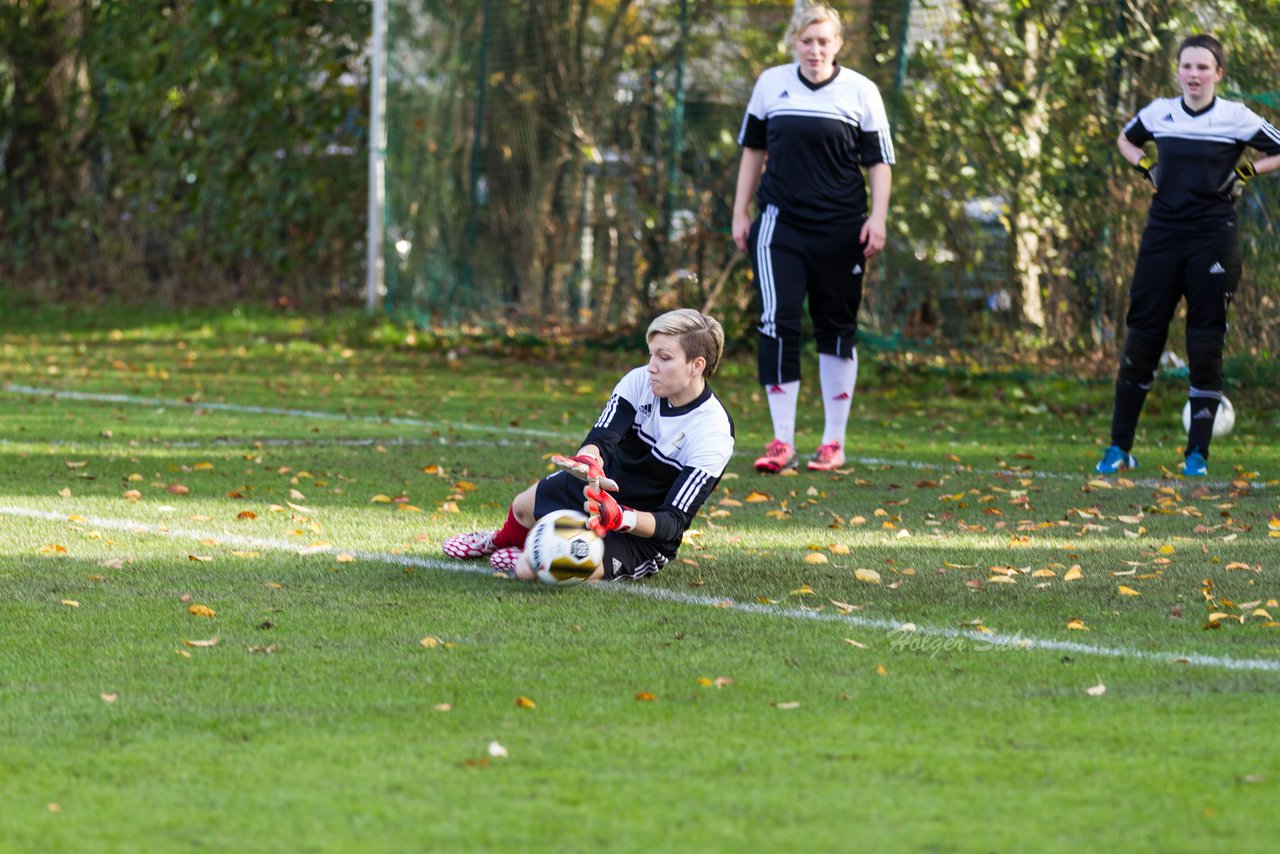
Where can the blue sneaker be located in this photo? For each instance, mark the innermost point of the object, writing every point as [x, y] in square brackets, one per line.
[1115, 461]
[1195, 465]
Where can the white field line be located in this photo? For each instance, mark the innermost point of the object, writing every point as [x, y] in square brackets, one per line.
[490, 428]
[71, 445]
[273, 410]
[646, 591]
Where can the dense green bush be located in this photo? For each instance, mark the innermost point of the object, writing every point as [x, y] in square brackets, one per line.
[184, 151]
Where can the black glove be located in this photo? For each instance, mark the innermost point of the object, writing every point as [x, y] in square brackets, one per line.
[1234, 185]
[1150, 170]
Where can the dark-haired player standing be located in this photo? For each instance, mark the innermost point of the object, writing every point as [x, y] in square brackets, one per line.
[1189, 247]
[819, 125]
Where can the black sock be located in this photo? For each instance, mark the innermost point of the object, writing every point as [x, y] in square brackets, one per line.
[1124, 418]
[1203, 412]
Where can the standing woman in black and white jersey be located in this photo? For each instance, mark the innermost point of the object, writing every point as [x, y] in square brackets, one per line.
[817, 125]
[1189, 247]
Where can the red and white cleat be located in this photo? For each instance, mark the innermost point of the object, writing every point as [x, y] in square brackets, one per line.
[476, 544]
[828, 457]
[504, 560]
[778, 456]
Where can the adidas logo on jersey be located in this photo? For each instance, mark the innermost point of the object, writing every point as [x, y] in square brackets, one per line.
[857, 268]
[646, 410]
[783, 95]
[1168, 117]
[1217, 267]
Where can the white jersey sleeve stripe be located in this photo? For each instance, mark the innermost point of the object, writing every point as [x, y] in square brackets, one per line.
[690, 490]
[610, 409]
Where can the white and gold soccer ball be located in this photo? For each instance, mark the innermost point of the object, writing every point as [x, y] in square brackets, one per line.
[562, 550]
[1222, 422]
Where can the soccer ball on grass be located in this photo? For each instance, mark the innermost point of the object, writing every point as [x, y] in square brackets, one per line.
[562, 550]
[1222, 422]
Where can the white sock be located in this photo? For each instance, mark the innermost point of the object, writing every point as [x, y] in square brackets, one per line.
[839, 378]
[782, 407]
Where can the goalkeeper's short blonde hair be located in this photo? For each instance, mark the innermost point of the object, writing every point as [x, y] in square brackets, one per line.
[808, 15]
[699, 335]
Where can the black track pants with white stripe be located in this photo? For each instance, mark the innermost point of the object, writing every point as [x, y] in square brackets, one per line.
[823, 262]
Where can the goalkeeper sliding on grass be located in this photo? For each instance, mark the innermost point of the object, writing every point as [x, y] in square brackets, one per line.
[655, 453]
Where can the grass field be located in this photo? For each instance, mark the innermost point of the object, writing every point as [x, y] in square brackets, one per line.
[962, 642]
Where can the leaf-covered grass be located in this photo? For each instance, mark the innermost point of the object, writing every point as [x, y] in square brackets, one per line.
[358, 689]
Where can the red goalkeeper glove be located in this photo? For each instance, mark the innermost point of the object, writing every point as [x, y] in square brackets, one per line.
[605, 514]
[586, 467]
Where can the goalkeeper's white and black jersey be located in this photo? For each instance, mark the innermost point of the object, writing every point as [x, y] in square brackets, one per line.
[666, 459]
[1196, 153]
[817, 137]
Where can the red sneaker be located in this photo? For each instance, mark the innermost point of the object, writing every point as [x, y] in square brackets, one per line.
[778, 456]
[828, 457]
[504, 560]
[470, 546]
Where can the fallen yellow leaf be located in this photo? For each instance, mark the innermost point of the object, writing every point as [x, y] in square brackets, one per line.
[201, 611]
[645, 696]
[213, 641]
[1128, 591]
[815, 557]
[53, 549]
[1077, 624]
[526, 703]
[71, 603]
[852, 642]
[756, 497]
[869, 576]
[1073, 574]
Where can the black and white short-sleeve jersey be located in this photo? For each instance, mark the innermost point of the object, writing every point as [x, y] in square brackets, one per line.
[1196, 152]
[666, 459]
[817, 138]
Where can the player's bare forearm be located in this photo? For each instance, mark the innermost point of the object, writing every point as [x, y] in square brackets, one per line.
[874, 230]
[1130, 152]
[749, 172]
[1267, 164]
